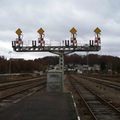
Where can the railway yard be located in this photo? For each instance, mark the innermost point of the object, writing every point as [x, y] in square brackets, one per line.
[15, 88]
[59, 71]
[96, 97]
[52, 68]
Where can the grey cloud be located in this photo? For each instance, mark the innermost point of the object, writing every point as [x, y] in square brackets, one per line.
[58, 16]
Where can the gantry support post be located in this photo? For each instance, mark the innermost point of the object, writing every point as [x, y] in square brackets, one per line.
[61, 66]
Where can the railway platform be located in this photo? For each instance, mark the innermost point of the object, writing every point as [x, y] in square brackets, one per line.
[42, 106]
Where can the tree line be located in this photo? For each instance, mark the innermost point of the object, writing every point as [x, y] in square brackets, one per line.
[41, 64]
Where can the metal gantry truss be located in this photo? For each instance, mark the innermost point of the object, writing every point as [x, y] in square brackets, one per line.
[39, 46]
[56, 49]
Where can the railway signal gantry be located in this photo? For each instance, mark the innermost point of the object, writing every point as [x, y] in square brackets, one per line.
[67, 47]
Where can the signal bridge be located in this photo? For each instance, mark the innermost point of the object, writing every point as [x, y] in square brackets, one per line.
[68, 46]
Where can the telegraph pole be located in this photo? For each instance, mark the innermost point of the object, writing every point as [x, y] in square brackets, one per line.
[10, 64]
[87, 62]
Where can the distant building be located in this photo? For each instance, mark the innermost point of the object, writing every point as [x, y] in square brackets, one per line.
[96, 67]
[85, 68]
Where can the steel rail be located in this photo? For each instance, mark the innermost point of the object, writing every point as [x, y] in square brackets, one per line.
[103, 82]
[20, 88]
[101, 102]
[87, 106]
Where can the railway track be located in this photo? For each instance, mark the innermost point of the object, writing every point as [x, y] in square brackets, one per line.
[15, 77]
[84, 110]
[15, 83]
[18, 78]
[12, 88]
[99, 109]
[107, 83]
[111, 78]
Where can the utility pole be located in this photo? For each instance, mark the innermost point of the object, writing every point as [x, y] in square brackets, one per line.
[10, 64]
[87, 62]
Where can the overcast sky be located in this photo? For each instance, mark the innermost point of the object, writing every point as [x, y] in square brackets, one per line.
[56, 17]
